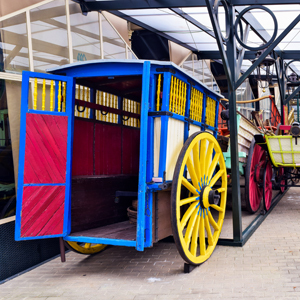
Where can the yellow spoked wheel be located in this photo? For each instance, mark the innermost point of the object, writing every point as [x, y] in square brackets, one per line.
[85, 248]
[198, 198]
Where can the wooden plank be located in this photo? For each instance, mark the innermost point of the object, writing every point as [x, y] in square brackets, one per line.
[122, 230]
[157, 133]
[41, 210]
[83, 161]
[131, 149]
[108, 149]
[163, 215]
[174, 145]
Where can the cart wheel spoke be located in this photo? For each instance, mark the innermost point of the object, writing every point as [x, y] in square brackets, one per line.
[194, 243]
[202, 236]
[188, 200]
[196, 228]
[189, 186]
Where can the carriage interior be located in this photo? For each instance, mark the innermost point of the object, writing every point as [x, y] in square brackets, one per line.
[105, 162]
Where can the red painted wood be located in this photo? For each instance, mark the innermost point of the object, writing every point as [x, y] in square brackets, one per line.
[38, 212]
[51, 143]
[131, 146]
[107, 149]
[56, 224]
[83, 160]
[46, 149]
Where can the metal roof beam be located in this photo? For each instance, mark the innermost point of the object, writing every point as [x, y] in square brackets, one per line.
[91, 5]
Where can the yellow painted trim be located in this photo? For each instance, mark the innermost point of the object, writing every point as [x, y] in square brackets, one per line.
[35, 93]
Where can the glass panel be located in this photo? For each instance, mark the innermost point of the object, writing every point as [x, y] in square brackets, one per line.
[49, 36]
[187, 65]
[14, 44]
[10, 95]
[131, 55]
[85, 34]
[113, 45]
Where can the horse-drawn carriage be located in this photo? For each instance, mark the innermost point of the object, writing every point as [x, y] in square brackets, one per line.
[99, 134]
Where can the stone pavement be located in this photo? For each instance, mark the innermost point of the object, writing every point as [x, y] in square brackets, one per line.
[267, 267]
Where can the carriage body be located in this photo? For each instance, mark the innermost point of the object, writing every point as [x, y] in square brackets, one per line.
[96, 135]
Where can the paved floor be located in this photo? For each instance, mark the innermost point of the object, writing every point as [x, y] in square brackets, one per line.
[267, 267]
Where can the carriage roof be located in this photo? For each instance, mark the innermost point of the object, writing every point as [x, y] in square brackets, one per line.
[90, 69]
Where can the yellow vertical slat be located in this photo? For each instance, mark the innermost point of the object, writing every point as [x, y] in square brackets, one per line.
[64, 96]
[51, 95]
[44, 94]
[158, 92]
[184, 98]
[59, 97]
[171, 104]
[35, 93]
[192, 104]
[87, 110]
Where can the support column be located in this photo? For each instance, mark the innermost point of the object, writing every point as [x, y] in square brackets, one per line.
[235, 175]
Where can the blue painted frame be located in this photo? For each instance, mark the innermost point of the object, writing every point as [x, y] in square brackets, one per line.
[26, 75]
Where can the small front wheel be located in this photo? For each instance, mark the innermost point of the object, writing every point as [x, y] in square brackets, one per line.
[198, 197]
[85, 248]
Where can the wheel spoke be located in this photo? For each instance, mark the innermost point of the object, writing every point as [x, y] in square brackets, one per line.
[202, 234]
[196, 160]
[212, 221]
[187, 215]
[87, 245]
[188, 200]
[213, 165]
[190, 227]
[216, 207]
[194, 243]
[208, 158]
[202, 157]
[192, 172]
[221, 190]
[216, 177]
[190, 187]
[210, 238]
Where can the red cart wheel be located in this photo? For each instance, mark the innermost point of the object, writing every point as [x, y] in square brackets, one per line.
[267, 186]
[282, 182]
[254, 177]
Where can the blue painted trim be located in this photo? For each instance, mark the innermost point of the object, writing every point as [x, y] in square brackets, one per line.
[217, 118]
[93, 100]
[44, 184]
[56, 96]
[140, 235]
[70, 107]
[44, 112]
[105, 241]
[203, 111]
[150, 148]
[120, 106]
[149, 212]
[24, 109]
[42, 237]
[187, 112]
[29, 74]
[166, 92]
[109, 69]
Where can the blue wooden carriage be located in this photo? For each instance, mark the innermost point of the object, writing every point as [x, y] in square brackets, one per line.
[96, 135]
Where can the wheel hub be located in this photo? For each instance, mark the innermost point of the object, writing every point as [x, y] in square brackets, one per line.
[208, 197]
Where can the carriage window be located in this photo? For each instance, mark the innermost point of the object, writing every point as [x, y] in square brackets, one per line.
[133, 107]
[83, 94]
[177, 100]
[210, 111]
[108, 100]
[196, 105]
[47, 95]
